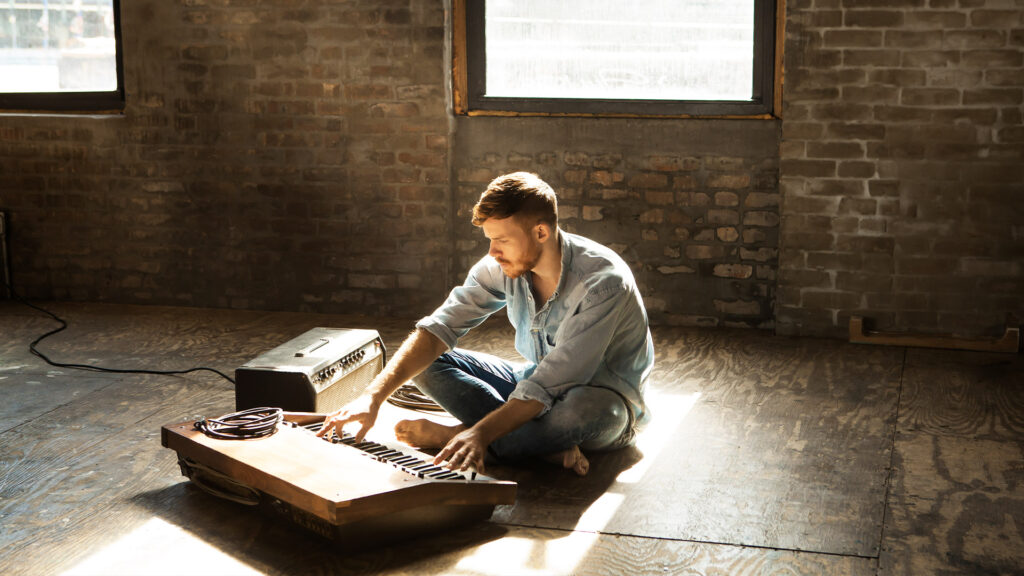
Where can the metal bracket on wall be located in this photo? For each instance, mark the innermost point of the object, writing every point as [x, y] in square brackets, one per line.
[1009, 342]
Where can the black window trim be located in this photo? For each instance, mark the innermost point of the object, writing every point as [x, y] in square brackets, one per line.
[74, 101]
[761, 104]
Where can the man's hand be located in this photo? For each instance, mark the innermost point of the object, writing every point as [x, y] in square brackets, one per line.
[362, 410]
[465, 451]
[467, 448]
[416, 353]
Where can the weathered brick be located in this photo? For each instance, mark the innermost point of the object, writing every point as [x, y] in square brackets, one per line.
[974, 39]
[726, 199]
[606, 178]
[935, 19]
[845, 38]
[873, 18]
[670, 163]
[1010, 77]
[730, 181]
[760, 218]
[669, 270]
[839, 150]
[738, 307]
[659, 198]
[993, 96]
[915, 39]
[721, 216]
[930, 58]
[930, 97]
[899, 77]
[761, 200]
[704, 252]
[727, 234]
[857, 169]
[733, 270]
[649, 180]
[808, 168]
[881, 58]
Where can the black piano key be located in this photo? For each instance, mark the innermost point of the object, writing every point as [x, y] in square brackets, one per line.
[384, 453]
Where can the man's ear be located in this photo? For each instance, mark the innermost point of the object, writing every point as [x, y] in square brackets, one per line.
[541, 232]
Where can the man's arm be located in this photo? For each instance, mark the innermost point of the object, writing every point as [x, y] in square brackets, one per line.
[467, 449]
[418, 351]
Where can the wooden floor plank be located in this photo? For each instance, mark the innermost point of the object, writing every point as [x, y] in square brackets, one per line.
[957, 507]
[782, 445]
[59, 473]
[767, 455]
[188, 524]
[28, 396]
[964, 394]
[957, 500]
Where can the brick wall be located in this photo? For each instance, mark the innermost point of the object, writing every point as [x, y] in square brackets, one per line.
[281, 155]
[292, 154]
[902, 165]
[692, 206]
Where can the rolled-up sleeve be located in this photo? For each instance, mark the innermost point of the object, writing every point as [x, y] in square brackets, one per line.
[468, 305]
[585, 337]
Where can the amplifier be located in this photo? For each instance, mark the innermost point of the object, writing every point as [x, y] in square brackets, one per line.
[319, 371]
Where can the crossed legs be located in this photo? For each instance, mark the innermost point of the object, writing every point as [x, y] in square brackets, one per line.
[469, 385]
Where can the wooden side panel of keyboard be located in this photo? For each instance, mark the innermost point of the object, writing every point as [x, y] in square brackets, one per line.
[334, 482]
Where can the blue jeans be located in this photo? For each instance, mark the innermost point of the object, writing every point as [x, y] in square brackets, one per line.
[470, 385]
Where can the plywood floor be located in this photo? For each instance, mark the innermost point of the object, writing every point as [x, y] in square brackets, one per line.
[767, 455]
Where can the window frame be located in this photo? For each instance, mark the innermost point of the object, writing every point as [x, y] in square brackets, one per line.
[469, 78]
[68, 102]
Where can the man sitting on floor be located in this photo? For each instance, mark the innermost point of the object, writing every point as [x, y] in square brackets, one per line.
[580, 324]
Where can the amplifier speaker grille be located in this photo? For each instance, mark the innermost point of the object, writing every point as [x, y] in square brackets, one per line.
[348, 388]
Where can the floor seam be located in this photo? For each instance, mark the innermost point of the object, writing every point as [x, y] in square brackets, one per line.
[892, 467]
[693, 541]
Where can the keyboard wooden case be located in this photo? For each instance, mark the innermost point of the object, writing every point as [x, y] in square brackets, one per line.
[354, 493]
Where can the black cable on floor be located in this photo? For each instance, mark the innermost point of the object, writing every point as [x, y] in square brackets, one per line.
[63, 325]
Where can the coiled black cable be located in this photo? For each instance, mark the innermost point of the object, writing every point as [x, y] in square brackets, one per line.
[410, 397]
[244, 425]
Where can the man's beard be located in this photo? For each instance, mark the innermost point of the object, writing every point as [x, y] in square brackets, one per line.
[520, 267]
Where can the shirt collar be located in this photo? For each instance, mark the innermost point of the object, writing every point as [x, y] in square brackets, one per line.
[566, 246]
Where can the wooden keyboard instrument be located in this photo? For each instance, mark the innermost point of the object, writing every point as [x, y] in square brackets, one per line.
[368, 492]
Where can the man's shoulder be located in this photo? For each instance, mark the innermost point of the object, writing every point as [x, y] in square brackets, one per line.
[598, 266]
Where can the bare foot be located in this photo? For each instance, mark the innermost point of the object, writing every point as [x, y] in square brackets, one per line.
[425, 433]
[571, 459]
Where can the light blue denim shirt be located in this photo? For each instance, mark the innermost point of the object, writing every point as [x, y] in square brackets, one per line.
[592, 331]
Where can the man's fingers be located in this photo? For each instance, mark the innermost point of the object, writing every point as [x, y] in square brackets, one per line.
[361, 433]
[461, 458]
[332, 423]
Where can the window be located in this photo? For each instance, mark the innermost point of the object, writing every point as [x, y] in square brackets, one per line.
[60, 55]
[615, 57]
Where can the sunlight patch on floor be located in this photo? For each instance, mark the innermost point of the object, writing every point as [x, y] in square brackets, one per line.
[528, 556]
[158, 548]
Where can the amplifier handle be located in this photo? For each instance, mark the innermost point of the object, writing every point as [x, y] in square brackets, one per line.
[320, 343]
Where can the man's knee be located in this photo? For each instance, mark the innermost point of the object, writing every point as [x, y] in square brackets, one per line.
[597, 404]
